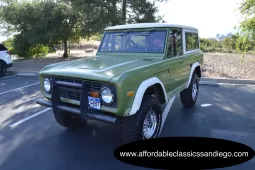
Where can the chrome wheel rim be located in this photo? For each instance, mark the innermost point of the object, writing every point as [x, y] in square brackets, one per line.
[150, 124]
[194, 90]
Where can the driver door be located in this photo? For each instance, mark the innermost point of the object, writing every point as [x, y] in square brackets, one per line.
[174, 61]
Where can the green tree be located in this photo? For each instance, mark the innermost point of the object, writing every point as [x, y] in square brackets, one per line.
[102, 13]
[43, 22]
[247, 26]
[227, 43]
[243, 44]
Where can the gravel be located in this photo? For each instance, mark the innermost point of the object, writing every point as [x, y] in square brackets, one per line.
[229, 65]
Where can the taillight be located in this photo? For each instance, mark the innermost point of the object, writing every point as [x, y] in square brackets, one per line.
[8, 52]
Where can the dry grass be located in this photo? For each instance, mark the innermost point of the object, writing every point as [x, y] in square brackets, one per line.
[229, 65]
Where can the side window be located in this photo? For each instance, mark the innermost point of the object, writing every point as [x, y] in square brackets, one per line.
[192, 41]
[175, 43]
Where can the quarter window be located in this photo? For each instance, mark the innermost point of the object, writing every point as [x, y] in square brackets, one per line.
[192, 42]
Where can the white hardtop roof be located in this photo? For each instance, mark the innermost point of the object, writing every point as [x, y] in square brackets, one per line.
[148, 25]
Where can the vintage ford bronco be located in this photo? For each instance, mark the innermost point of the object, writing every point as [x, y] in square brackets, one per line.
[133, 79]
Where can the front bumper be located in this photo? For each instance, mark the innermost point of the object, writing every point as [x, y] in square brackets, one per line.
[9, 65]
[83, 111]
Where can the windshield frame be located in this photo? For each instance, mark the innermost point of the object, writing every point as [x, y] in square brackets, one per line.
[165, 29]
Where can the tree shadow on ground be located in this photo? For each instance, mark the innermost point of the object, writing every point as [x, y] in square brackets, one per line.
[42, 144]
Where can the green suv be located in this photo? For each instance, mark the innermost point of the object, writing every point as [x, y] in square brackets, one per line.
[132, 80]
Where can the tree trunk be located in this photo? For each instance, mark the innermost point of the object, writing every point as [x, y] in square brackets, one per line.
[65, 55]
[124, 11]
[114, 12]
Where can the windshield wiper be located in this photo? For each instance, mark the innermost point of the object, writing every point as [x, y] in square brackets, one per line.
[147, 32]
[123, 33]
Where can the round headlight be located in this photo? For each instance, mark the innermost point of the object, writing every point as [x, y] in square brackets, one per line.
[107, 95]
[46, 85]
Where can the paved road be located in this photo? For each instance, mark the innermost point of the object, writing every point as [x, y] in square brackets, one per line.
[39, 143]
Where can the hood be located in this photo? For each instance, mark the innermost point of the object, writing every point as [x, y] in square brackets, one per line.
[101, 68]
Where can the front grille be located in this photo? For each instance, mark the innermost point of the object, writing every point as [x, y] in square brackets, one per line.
[70, 93]
[75, 93]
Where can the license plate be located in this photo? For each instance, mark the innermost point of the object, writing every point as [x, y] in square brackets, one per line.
[94, 102]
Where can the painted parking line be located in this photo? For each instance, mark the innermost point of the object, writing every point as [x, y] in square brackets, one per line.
[7, 77]
[19, 88]
[29, 117]
[166, 111]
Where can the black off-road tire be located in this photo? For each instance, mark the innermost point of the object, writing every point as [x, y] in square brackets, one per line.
[67, 120]
[2, 69]
[186, 95]
[132, 129]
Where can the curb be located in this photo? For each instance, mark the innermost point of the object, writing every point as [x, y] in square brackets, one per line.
[230, 81]
[26, 74]
[23, 73]
[210, 83]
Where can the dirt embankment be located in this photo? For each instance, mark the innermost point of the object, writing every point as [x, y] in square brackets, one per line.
[229, 65]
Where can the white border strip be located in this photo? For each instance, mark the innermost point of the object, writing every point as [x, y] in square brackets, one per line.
[140, 93]
[196, 64]
[29, 117]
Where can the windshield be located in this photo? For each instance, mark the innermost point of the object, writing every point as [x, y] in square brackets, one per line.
[151, 41]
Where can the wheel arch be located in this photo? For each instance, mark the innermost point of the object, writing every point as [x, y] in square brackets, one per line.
[150, 86]
[1, 60]
[196, 67]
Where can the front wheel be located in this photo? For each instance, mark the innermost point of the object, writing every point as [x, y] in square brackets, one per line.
[145, 124]
[2, 69]
[189, 96]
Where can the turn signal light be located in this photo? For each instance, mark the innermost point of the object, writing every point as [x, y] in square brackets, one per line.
[94, 94]
[130, 94]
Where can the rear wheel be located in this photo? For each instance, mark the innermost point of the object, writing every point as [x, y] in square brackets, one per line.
[2, 69]
[189, 96]
[145, 124]
[67, 120]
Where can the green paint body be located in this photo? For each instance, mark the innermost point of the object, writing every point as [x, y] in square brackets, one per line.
[126, 71]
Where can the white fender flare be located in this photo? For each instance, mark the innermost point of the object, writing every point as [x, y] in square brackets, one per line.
[196, 64]
[140, 93]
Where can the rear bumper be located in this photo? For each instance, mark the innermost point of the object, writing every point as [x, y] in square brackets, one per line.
[9, 65]
[94, 115]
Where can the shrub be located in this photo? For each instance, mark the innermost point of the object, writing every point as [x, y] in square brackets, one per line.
[96, 37]
[202, 48]
[218, 50]
[38, 51]
[9, 44]
[21, 46]
[24, 49]
[210, 49]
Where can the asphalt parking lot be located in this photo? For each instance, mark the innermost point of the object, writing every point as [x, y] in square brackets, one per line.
[30, 139]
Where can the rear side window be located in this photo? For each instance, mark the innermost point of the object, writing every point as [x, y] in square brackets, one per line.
[192, 41]
[3, 48]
